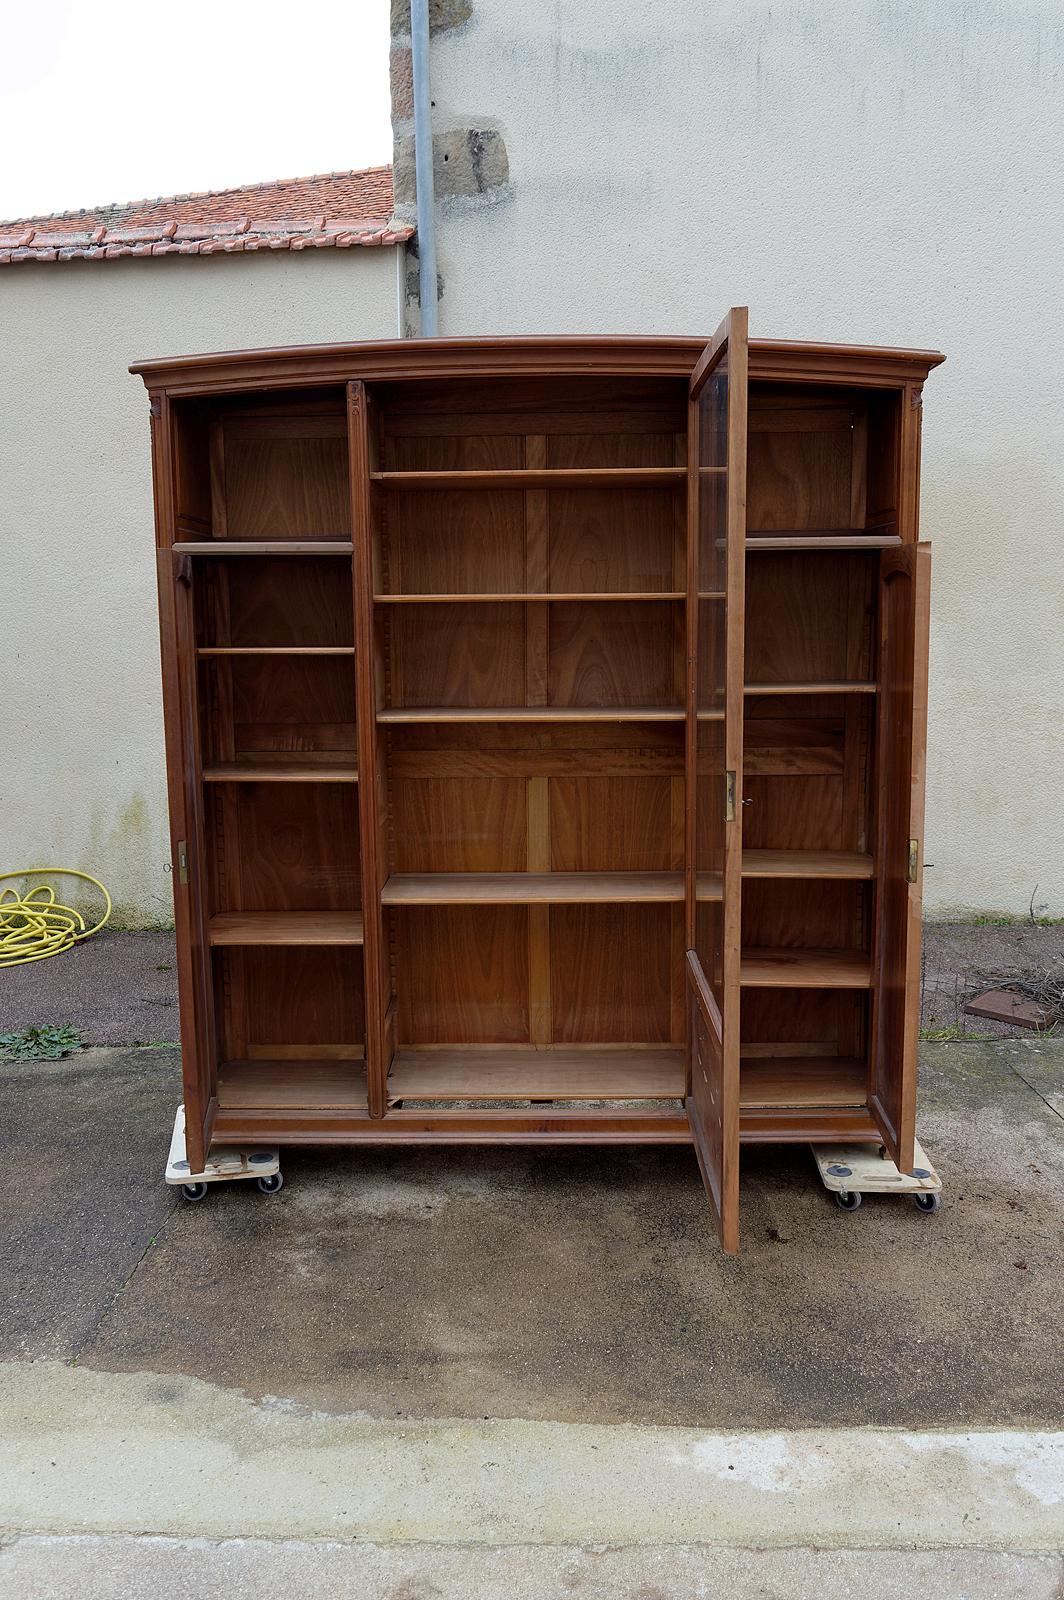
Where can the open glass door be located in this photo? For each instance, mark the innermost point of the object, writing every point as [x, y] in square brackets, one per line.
[904, 611]
[716, 454]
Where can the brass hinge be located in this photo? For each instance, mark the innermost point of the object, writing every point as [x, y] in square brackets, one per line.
[729, 797]
[182, 861]
[914, 860]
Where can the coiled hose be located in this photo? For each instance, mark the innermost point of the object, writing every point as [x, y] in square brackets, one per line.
[36, 925]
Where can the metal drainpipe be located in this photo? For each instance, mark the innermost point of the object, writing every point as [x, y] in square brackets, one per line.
[426, 193]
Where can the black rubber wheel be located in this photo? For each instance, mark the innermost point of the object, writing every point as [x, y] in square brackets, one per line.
[271, 1184]
[927, 1202]
[194, 1191]
[847, 1199]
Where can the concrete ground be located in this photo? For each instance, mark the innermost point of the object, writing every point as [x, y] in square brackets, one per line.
[438, 1373]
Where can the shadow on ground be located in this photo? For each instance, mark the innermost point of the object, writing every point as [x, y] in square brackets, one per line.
[573, 1285]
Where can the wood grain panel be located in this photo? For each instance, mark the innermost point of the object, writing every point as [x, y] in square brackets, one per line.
[611, 824]
[454, 540]
[802, 813]
[809, 618]
[458, 656]
[809, 913]
[463, 975]
[610, 539]
[296, 703]
[289, 1085]
[610, 973]
[799, 478]
[286, 488]
[818, 1022]
[304, 600]
[614, 655]
[300, 996]
[297, 846]
[458, 824]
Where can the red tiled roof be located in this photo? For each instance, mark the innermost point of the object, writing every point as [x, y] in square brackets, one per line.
[335, 209]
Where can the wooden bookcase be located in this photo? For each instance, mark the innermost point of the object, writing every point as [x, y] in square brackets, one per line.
[545, 729]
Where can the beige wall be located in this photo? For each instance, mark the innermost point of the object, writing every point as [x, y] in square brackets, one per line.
[853, 171]
[82, 779]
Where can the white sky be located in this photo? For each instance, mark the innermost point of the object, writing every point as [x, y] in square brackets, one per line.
[127, 99]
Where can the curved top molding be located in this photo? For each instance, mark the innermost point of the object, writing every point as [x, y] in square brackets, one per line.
[305, 366]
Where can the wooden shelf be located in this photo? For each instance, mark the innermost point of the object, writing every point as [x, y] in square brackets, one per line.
[538, 478]
[844, 539]
[265, 547]
[286, 927]
[609, 1072]
[712, 594]
[806, 864]
[531, 714]
[781, 1081]
[805, 969]
[288, 772]
[531, 888]
[526, 597]
[291, 1085]
[810, 688]
[276, 650]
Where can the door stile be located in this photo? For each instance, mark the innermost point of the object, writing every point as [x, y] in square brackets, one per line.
[372, 799]
[714, 733]
[905, 596]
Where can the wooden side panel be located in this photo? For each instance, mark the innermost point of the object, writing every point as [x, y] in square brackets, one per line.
[904, 622]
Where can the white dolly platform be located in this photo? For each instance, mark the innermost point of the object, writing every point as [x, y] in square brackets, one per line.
[223, 1166]
[850, 1171]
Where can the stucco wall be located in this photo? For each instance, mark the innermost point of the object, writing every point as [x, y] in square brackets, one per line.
[82, 779]
[883, 173]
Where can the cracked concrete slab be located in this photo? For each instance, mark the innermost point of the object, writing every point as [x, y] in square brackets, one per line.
[441, 1282]
[97, 1568]
[150, 1453]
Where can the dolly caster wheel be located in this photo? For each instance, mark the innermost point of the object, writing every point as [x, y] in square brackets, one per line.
[927, 1202]
[194, 1191]
[847, 1199]
[271, 1184]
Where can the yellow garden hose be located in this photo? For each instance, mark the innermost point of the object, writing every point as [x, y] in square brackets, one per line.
[34, 926]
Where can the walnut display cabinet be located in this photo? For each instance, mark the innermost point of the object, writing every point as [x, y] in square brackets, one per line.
[545, 735]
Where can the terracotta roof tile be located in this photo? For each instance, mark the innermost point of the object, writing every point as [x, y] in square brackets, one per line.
[334, 210]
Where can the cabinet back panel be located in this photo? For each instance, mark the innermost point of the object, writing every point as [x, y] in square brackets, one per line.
[803, 1022]
[462, 975]
[278, 487]
[283, 847]
[799, 477]
[602, 655]
[810, 618]
[303, 600]
[796, 813]
[614, 973]
[455, 655]
[615, 824]
[286, 1001]
[596, 749]
[292, 704]
[459, 824]
[805, 915]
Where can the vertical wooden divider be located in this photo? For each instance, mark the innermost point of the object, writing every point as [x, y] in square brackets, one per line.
[690, 711]
[537, 653]
[362, 458]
